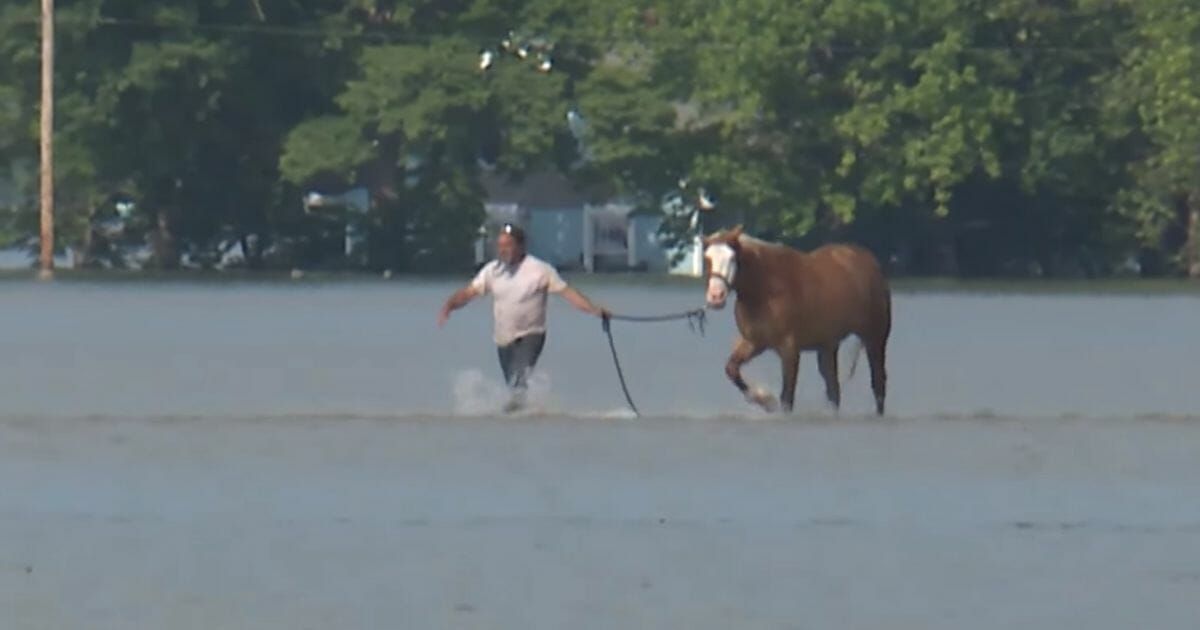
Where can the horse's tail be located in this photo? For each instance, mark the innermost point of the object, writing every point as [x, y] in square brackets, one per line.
[858, 348]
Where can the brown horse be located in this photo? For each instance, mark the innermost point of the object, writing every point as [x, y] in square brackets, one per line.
[790, 301]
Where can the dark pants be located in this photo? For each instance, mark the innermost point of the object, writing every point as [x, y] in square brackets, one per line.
[518, 359]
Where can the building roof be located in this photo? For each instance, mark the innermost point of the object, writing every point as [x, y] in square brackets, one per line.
[543, 189]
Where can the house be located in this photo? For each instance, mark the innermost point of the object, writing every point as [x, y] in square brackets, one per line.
[547, 206]
[566, 230]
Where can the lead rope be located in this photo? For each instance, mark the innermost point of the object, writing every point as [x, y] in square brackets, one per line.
[695, 320]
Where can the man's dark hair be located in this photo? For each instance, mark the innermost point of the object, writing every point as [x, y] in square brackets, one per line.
[515, 231]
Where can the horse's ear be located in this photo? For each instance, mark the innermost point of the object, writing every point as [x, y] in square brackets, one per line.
[733, 235]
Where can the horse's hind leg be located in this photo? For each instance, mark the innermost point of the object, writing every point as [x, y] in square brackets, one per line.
[790, 361]
[827, 361]
[744, 351]
[876, 357]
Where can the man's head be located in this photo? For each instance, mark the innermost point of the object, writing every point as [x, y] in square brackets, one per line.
[510, 244]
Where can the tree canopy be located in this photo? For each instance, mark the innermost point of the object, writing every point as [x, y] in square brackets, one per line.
[951, 136]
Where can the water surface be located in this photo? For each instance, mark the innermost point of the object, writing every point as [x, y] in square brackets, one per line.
[304, 455]
[373, 349]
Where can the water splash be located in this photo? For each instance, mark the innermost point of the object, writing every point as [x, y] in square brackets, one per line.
[476, 394]
[621, 413]
[540, 397]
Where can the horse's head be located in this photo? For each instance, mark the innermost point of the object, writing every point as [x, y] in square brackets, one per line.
[720, 265]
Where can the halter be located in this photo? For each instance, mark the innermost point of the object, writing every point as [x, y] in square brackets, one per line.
[725, 281]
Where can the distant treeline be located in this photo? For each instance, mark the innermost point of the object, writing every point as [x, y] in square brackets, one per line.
[963, 137]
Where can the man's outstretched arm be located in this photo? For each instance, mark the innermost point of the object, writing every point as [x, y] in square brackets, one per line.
[581, 302]
[460, 299]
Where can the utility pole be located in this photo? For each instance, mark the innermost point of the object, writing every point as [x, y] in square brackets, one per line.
[46, 271]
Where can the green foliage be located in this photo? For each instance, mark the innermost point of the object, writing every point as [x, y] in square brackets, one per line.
[326, 145]
[1013, 133]
[1155, 97]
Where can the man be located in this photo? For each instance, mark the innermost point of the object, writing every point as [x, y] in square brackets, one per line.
[519, 284]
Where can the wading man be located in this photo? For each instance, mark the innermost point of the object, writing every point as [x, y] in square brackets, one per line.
[519, 284]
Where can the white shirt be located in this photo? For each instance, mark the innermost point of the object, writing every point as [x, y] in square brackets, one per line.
[519, 295]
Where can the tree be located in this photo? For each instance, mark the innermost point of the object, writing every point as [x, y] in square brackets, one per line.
[169, 104]
[1154, 100]
[1017, 136]
[419, 122]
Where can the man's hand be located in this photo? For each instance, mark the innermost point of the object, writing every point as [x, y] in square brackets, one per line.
[443, 317]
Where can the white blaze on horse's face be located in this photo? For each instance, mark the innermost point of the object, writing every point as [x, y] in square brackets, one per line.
[722, 267]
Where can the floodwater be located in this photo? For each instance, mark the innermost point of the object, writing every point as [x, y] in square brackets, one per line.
[373, 349]
[322, 456]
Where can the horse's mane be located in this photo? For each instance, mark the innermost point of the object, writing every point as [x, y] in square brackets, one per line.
[753, 241]
[746, 239]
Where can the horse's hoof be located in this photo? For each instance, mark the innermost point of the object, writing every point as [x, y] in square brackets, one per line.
[763, 399]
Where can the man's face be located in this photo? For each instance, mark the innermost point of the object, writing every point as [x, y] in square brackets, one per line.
[508, 250]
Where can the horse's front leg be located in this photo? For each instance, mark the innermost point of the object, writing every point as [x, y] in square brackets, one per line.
[744, 351]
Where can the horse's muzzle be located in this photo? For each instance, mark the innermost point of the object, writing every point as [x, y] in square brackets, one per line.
[716, 293]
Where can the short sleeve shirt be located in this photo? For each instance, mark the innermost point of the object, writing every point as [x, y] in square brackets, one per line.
[518, 295]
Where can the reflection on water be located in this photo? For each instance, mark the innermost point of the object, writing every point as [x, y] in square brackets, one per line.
[373, 349]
